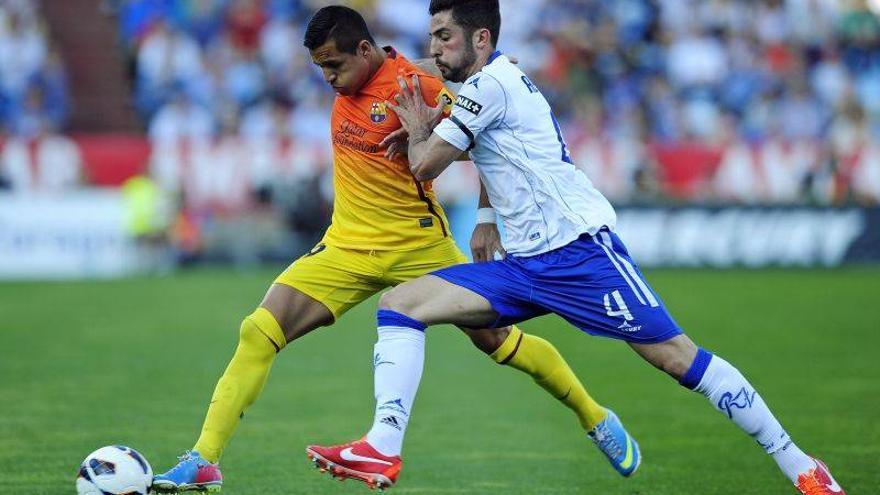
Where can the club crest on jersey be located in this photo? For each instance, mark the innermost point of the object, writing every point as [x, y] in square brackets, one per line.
[378, 112]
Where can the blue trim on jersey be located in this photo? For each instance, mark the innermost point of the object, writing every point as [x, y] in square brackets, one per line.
[695, 373]
[566, 157]
[495, 54]
[389, 318]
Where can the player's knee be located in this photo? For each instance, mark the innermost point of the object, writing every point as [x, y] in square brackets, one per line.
[396, 300]
[674, 356]
[259, 333]
[673, 365]
[252, 342]
[487, 340]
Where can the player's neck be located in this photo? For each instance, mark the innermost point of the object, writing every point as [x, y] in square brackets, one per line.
[482, 60]
[376, 61]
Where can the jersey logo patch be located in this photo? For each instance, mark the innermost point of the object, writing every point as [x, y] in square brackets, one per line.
[378, 112]
[468, 104]
[444, 99]
[426, 222]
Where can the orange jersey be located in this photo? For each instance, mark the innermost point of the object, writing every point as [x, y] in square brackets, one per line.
[378, 203]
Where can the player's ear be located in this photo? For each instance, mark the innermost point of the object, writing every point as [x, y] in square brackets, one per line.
[482, 38]
[364, 49]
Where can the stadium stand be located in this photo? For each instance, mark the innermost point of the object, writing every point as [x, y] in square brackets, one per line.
[730, 102]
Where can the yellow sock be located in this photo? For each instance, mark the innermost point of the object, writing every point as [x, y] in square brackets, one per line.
[541, 360]
[260, 339]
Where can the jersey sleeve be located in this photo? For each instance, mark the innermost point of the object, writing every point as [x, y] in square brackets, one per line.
[480, 105]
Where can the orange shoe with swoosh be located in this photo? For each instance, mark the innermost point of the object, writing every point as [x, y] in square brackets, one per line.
[356, 460]
[818, 481]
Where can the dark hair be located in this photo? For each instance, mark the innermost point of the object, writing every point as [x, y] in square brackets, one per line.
[472, 15]
[341, 24]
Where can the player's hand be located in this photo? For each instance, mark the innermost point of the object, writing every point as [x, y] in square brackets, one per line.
[485, 242]
[416, 116]
[395, 144]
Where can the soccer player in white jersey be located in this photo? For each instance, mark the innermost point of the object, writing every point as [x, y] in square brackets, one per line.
[562, 254]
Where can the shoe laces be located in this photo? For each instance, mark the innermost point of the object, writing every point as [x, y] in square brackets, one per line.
[352, 443]
[808, 484]
[185, 456]
[182, 460]
[607, 442]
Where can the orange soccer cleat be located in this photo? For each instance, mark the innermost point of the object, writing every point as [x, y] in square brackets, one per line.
[818, 481]
[356, 460]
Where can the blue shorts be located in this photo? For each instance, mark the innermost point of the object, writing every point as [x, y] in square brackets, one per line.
[591, 282]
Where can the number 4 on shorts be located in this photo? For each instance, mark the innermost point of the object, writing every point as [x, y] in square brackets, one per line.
[621, 310]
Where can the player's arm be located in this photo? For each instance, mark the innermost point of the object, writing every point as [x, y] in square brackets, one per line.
[484, 197]
[397, 142]
[485, 240]
[429, 154]
[433, 144]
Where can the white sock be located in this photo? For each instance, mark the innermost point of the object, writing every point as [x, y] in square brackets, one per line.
[792, 461]
[730, 392]
[398, 359]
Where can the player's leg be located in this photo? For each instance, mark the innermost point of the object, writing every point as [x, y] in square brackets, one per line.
[538, 358]
[404, 314]
[634, 313]
[508, 346]
[730, 393]
[284, 315]
[311, 293]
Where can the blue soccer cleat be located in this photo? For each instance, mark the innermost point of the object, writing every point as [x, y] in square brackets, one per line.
[192, 473]
[618, 446]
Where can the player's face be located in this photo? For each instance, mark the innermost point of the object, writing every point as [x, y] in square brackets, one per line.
[345, 72]
[451, 48]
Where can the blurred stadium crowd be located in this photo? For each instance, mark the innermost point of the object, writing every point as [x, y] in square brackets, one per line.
[733, 101]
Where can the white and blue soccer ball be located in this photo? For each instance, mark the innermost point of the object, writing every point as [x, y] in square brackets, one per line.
[114, 470]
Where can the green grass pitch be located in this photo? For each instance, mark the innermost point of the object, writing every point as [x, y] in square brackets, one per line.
[135, 361]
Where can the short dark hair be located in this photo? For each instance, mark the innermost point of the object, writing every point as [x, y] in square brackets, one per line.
[472, 15]
[341, 24]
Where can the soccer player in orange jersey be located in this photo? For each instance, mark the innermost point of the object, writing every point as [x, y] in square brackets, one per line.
[387, 228]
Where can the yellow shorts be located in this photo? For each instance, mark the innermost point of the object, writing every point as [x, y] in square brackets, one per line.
[342, 278]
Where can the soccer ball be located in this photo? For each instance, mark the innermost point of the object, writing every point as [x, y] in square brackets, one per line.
[114, 470]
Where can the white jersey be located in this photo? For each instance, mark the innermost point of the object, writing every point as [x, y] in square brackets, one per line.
[514, 140]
